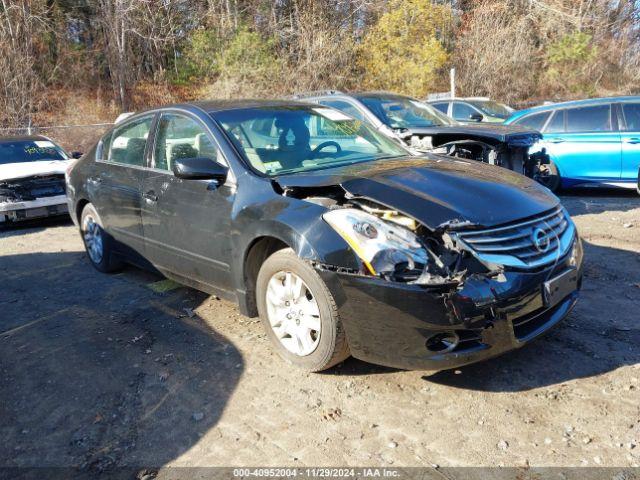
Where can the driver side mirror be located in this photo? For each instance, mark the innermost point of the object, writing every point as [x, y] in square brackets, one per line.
[200, 168]
[76, 155]
[476, 117]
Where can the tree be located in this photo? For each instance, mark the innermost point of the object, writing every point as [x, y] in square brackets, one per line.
[402, 51]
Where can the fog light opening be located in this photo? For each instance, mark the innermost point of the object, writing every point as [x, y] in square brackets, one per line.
[442, 342]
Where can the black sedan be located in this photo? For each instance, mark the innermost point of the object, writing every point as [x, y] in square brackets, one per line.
[341, 242]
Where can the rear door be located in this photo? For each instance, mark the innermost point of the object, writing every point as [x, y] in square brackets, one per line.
[630, 137]
[187, 222]
[584, 143]
[117, 182]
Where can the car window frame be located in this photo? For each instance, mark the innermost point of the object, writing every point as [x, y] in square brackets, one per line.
[558, 111]
[466, 104]
[623, 126]
[342, 100]
[152, 151]
[100, 149]
[548, 113]
[612, 119]
[447, 104]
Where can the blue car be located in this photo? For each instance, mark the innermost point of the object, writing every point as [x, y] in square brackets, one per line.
[592, 142]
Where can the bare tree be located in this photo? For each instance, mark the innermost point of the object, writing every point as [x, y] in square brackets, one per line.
[20, 84]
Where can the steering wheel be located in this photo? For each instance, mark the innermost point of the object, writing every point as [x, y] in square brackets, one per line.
[316, 151]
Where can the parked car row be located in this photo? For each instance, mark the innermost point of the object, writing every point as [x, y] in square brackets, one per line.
[340, 237]
[424, 128]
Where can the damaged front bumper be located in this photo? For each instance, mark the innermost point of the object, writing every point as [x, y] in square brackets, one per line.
[400, 325]
[13, 211]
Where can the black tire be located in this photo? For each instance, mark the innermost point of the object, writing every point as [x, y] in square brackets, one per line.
[332, 347]
[552, 179]
[109, 262]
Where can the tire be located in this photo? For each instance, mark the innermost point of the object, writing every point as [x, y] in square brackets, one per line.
[91, 231]
[552, 180]
[331, 345]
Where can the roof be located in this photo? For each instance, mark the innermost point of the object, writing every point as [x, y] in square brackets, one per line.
[462, 99]
[221, 105]
[24, 138]
[573, 103]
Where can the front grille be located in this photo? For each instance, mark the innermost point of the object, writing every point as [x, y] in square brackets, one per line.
[529, 244]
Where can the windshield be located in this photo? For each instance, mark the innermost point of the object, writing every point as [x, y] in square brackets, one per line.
[23, 151]
[493, 109]
[290, 139]
[399, 112]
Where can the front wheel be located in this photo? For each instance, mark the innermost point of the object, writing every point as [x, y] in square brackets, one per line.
[97, 243]
[299, 313]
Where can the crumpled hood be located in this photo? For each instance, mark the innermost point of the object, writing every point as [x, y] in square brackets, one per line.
[511, 134]
[436, 190]
[12, 171]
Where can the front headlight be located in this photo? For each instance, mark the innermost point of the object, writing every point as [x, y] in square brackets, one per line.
[383, 247]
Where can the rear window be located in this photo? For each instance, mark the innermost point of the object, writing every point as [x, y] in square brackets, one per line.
[535, 121]
[23, 151]
[589, 119]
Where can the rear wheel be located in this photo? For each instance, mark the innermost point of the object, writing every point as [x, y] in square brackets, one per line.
[550, 177]
[97, 243]
[299, 313]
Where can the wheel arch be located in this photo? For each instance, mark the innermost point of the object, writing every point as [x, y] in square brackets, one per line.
[256, 253]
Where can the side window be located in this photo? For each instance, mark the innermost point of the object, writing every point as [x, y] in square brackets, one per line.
[443, 106]
[102, 151]
[128, 142]
[344, 107]
[535, 121]
[631, 113]
[179, 136]
[462, 111]
[556, 124]
[589, 119]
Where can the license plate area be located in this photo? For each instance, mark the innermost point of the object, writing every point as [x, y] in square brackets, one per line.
[554, 290]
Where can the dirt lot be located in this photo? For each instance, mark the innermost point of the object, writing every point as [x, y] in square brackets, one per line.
[102, 370]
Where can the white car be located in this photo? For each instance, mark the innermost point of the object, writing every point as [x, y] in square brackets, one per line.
[32, 185]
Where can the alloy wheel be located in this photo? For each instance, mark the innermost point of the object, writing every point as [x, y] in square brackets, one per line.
[92, 234]
[293, 313]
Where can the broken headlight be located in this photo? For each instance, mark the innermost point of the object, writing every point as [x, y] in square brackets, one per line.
[385, 248]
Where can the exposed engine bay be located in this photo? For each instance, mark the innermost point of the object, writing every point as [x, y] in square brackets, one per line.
[32, 197]
[511, 152]
[31, 188]
[394, 246]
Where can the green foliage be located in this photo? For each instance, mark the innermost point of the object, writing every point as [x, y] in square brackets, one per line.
[199, 57]
[208, 56]
[402, 51]
[569, 60]
[248, 54]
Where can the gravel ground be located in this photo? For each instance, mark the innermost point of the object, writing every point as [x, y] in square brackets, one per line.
[98, 371]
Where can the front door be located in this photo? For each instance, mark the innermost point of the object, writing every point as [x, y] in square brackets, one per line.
[583, 143]
[187, 222]
[117, 184]
[630, 136]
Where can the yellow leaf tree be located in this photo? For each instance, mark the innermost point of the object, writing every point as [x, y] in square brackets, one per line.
[402, 52]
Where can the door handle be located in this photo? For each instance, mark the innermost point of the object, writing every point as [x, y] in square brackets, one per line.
[557, 140]
[632, 141]
[94, 180]
[150, 197]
